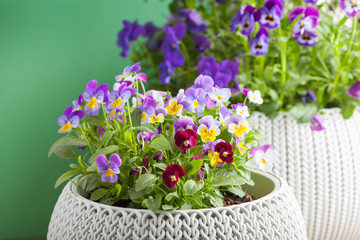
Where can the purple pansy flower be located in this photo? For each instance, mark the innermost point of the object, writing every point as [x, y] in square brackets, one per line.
[183, 123]
[317, 122]
[351, 7]
[354, 91]
[208, 66]
[202, 42]
[309, 96]
[110, 169]
[149, 30]
[147, 109]
[77, 103]
[307, 23]
[204, 82]
[237, 125]
[259, 45]
[130, 32]
[194, 21]
[117, 98]
[146, 136]
[311, 1]
[195, 100]
[166, 71]
[159, 115]
[172, 37]
[95, 96]
[227, 72]
[245, 18]
[307, 39]
[241, 109]
[224, 115]
[70, 119]
[208, 129]
[246, 90]
[128, 70]
[270, 14]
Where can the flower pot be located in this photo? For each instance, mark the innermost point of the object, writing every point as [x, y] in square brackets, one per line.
[275, 215]
[322, 168]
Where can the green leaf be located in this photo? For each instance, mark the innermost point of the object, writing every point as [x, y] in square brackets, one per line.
[161, 166]
[98, 193]
[144, 181]
[135, 195]
[193, 167]
[153, 204]
[64, 177]
[347, 110]
[62, 144]
[160, 143]
[218, 181]
[65, 152]
[303, 112]
[105, 151]
[237, 190]
[118, 189]
[170, 196]
[191, 187]
[136, 117]
[94, 120]
[147, 127]
[168, 207]
[107, 136]
[225, 135]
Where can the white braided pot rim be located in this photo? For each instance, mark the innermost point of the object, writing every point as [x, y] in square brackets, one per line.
[278, 184]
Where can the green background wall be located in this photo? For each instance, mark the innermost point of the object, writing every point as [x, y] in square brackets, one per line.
[49, 49]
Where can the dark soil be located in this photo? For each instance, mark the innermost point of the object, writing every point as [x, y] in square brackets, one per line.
[230, 199]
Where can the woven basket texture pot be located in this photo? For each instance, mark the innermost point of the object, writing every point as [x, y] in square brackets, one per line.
[276, 215]
[322, 169]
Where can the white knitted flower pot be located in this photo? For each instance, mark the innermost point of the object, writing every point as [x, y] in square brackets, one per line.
[322, 168]
[276, 215]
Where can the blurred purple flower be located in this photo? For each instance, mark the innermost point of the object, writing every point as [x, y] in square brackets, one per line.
[317, 122]
[245, 18]
[308, 23]
[183, 123]
[259, 45]
[307, 39]
[311, 1]
[172, 37]
[130, 32]
[270, 14]
[166, 71]
[351, 7]
[194, 21]
[205, 82]
[202, 42]
[354, 91]
[208, 66]
[309, 96]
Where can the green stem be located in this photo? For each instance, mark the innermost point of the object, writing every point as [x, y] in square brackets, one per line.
[105, 117]
[142, 86]
[82, 131]
[353, 30]
[283, 71]
[128, 109]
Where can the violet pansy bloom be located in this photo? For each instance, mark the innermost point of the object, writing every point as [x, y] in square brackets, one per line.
[159, 115]
[194, 21]
[130, 32]
[351, 7]
[146, 136]
[241, 109]
[202, 42]
[195, 100]
[308, 23]
[110, 169]
[166, 71]
[128, 70]
[307, 39]
[224, 115]
[245, 18]
[263, 157]
[259, 44]
[183, 123]
[354, 91]
[147, 109]
[158, 96]
[270, 14]
[70, 119]
[220, 95]
[208, 129]
[117, 98]
[317, 122]
[311, 1]
[208, 66]
[172, 37]
[237, 125]
[309, 96]
[95, 96]
[77, 103]
[204, 82]
[227, 72]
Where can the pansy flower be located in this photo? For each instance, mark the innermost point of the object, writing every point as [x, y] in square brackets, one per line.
[309, 96]
[208, 66]
[95, 96]
[172, 174]
[208, 129]
[117, 98]
[70, 119]
[263, 157]
[307, 39]
[195, 100]
[146, 136]
[354, 91]
[259, 44]
[166, 71]
[186, 139]
[245, 18]
[317, 122]
[220, 95]
[172, 37]
[209, 147]
[224, 115]
[183, 123]
[225, 152]
[147, 109]
[306, 23]
[77, 103]
[311, 1]
[174, 107]
[158, 96]
[194, 21]
[255, 97]
[204, 82]
[238, 125]
[202, 42]
[130, 33]
[112, 112]
[270, 14]
[240, 144]
[110, 169]
[128, 70]
[158, 116]
[351, 7]
[241, 109]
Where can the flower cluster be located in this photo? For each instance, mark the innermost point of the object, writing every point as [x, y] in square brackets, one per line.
[153, 150]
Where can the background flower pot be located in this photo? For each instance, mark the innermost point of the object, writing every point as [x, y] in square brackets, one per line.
[322, 168]
[276, 215]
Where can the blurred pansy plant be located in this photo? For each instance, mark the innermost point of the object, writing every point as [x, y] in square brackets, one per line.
[150, 149]
[284, 49]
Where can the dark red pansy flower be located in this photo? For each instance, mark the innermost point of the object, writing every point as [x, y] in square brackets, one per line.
[186, 139]
[172, 174]
[225, 151]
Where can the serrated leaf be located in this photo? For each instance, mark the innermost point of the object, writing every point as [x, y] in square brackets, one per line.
[347, 110]
[64, 142]
[170, 196]
[147, 127]
[161, 166]
[160, 143]
[144, 181]
[193, 167]
[218, 181]
[237, 190]
[107, 136]
[191, 187]
[64, 177]
[105, 151]
[153, 204]
[136, 117]
[98, 193]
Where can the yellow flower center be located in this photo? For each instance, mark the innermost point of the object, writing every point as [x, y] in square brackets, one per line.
[173, 46]
[66, 127]
[112, 113]
[302, 24]
[239, 131]
[214, 158]
[109, 173]
[116, 103]
[225, 154]
[157, 118]
[143, 116]
[219, 98]
[173, 178]
[208, 134]
[92, 103]
[263, 160]
[196, 104]
[174, 108]
[241, 146]
[353, 4]
[186, 143]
